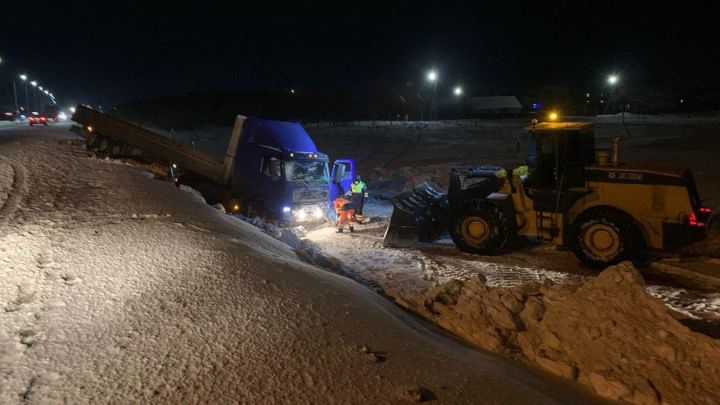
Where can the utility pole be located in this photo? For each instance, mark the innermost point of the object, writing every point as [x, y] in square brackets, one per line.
[17, 111]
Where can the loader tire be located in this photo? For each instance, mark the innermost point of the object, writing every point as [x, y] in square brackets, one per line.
[604, 236]
[480, 227]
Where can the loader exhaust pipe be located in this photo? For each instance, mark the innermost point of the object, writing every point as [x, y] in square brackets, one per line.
[615, 160]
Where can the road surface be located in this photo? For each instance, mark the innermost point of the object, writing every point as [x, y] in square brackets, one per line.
[116, 287]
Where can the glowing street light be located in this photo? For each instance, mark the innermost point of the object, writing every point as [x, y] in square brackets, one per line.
[432, 77]
[458, 91]
[613, 79]
[23, 77]
[46, 92]
[40, 87]
[72, 109]
[34, 83]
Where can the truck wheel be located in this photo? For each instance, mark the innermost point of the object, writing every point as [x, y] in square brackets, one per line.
[480, 228]
[605, 236]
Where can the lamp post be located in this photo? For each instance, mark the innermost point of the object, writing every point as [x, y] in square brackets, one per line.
[613, 81]
[432, 77]
[34, 83]
[24, 77]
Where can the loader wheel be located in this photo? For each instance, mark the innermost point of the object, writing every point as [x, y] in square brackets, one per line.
[480, 228]
[604, 236]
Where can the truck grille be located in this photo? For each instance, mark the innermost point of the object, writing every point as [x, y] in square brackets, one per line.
[310, 195]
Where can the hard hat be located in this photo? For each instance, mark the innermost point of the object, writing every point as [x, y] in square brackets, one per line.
[357, 177]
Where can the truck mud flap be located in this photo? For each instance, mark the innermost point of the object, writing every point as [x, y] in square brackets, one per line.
[419, 215]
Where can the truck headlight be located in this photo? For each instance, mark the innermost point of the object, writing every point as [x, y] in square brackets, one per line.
[286, 210]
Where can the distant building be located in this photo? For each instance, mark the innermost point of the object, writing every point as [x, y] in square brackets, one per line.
[468, 107]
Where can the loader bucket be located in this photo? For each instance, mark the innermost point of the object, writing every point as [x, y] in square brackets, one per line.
[419, 215]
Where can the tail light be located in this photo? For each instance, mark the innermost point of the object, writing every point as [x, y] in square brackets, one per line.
[693, 221]
[705, 210]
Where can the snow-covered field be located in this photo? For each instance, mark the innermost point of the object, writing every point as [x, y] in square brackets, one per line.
[117, 288]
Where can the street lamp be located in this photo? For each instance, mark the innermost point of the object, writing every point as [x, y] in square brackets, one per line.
[458, 91]
[613, 81]
[432, 77]
[24, 77]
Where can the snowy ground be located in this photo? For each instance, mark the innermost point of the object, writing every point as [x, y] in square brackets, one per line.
[412, 271]
[117, 288]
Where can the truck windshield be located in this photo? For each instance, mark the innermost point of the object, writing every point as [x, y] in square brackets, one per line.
[306, 170]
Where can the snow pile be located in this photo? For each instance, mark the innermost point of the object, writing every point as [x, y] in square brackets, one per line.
[606, 333]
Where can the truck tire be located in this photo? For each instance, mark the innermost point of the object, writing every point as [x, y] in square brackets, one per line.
[603, 236]
[480, 227]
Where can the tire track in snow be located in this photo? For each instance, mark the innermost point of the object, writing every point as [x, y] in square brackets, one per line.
[17, 192]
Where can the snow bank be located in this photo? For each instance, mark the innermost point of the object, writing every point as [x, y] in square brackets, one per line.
[606, 333]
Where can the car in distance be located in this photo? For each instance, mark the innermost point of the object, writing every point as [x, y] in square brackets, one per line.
[37, 119]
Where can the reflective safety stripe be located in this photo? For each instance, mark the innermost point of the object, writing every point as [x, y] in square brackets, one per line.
[358, 187]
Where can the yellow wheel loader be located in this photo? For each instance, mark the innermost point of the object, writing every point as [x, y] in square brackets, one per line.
[569, 194]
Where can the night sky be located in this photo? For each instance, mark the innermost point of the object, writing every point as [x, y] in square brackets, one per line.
[107, 52]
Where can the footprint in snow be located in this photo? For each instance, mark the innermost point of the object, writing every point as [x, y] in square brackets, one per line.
[70, 279]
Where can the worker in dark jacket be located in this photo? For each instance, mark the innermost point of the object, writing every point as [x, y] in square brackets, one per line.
[359, 195]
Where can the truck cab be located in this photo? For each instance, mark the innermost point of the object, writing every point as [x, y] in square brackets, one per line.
[279, 172]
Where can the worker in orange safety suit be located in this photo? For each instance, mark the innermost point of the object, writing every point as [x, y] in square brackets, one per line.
[345, 212]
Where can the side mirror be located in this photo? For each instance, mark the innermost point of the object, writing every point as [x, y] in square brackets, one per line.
[338, 172]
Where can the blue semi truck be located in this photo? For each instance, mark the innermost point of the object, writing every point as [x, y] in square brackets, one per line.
[270, 169]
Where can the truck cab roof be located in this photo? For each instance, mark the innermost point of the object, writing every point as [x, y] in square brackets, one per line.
[285, 136]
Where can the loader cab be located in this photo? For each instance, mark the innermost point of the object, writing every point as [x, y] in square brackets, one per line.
[558, 155]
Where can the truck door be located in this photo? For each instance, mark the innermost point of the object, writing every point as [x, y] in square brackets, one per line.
[343, 173]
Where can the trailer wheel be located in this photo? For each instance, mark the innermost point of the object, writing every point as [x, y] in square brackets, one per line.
[93, 140]
[115, 149]
[603, 236]
[481, 228]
